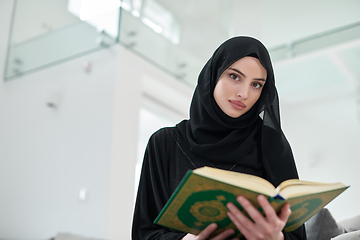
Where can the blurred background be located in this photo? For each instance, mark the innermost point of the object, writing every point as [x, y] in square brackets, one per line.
[86, 82]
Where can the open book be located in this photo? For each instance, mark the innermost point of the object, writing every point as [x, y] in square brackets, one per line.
[202, 195]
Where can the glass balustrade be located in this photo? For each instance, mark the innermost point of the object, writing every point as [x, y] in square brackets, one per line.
[172, 58]
[316, 42]
[45, 32]
[176, 36]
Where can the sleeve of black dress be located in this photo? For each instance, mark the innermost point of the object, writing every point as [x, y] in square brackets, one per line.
[153, 192]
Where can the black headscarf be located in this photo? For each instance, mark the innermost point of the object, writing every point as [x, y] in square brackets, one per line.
[215, 136]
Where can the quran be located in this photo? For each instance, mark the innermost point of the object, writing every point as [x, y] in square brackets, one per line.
[201, 197]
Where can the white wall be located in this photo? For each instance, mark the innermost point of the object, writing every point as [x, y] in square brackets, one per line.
[89, 141]
[49, 154]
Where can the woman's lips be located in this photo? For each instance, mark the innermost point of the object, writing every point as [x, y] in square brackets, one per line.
[237, 104]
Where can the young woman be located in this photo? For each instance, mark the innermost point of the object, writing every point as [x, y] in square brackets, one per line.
[234, 125]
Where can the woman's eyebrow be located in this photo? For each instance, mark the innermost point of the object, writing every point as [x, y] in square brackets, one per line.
[238, 71]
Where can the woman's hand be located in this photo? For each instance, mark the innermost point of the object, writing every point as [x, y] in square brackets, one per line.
[207, 232]
[269, 226]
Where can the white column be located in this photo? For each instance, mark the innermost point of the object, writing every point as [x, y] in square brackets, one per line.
[124, 145]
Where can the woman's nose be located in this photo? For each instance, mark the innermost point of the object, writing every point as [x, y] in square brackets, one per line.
[243, 92]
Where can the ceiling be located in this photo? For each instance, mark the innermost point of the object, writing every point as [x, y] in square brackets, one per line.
[274, 22]
[330, 63]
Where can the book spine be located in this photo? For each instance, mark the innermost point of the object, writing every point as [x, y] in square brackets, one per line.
[279, 197]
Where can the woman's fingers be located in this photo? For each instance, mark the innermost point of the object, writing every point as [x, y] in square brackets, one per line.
[238, 220]
[205, 234]
[285, 212]
[224, 235]
[269, 211]
[257, 225]
[254, 214]
[271, 215]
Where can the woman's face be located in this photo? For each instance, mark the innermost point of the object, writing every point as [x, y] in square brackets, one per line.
[240, 86]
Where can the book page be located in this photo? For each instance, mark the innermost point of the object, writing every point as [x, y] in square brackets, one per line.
[294, 187]
[242, 180]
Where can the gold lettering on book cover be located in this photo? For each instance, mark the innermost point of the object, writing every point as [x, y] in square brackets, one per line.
[195, 184]
[304, 207]
[208, 211]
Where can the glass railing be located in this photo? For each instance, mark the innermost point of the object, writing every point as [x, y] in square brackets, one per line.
[185, 65]
[47, 33]
[50, 32]
[316, 42]
[53, 32]
[143, 40]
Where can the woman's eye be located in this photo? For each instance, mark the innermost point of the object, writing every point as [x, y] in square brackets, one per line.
[233, 76]
[257, 85]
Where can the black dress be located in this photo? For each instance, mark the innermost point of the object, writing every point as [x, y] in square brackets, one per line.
[249, 143]
[166, 160]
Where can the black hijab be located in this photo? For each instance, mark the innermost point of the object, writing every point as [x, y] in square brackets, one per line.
[213, 135]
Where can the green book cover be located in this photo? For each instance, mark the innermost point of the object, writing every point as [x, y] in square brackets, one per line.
[202, 195]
